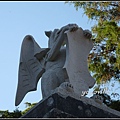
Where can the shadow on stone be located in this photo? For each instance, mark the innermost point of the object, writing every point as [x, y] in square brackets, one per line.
[59, 106]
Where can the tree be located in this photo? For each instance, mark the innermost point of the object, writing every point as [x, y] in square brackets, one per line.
[28, 107]
[104, 59]
[6, 114]
[16, 113]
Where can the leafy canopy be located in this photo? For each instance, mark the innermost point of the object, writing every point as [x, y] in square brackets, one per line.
[104, 59]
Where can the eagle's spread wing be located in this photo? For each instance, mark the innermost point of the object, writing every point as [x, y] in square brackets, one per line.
[30, 68]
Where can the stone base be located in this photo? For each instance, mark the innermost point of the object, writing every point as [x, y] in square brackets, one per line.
[66, 105]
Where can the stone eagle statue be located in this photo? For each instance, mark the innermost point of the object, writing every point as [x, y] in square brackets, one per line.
[64, 62]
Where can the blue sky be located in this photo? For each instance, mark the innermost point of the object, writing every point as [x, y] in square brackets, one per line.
[18, 19]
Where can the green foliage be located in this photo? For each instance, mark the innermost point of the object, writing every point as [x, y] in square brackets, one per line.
[104, 59]
[114, 104]
[16, 113]
[97, 10]
[28, 107]
[6, 114]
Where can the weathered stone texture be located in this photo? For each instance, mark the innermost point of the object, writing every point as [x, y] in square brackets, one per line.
[57, 106]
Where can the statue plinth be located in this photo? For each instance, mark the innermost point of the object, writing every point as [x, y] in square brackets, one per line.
[61, 104]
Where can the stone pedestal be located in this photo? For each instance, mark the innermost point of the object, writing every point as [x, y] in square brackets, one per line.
[61, 104]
